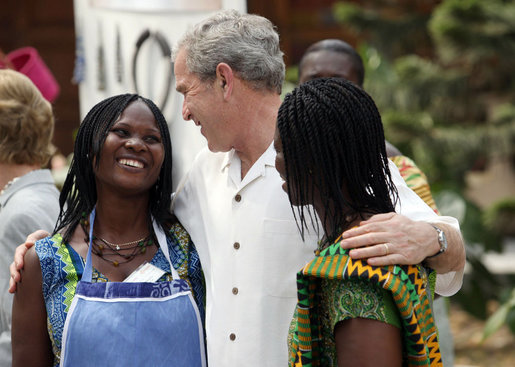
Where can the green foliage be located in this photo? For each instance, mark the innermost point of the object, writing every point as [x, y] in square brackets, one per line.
[504, 114]
[510, 318]
[379, 28]
[500, 216]
[480, 36]
[478, 287]
[431, 110]
[425, 85]
[446, 151]
[292, 74]
[505, 314]
[475, 232]
[474, 28]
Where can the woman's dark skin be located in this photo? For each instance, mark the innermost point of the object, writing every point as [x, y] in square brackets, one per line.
[122, 215]
[30, 316]
[359, 342]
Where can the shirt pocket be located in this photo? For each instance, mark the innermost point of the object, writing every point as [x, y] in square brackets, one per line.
[284, 255]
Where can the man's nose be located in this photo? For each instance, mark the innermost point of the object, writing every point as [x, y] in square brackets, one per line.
[186, 115]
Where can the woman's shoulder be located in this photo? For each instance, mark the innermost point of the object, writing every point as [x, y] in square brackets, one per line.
[332, 253]
[51, 248]
[55, 261]
[334, 262]
[357, 298]
[52, 241]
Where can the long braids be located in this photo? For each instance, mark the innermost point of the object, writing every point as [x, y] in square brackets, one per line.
[332, 136]
[161, 193]
[78, 195]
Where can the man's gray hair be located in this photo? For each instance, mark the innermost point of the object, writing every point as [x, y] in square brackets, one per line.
[248, 43]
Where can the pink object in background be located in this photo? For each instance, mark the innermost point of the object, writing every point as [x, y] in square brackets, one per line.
[27, 61]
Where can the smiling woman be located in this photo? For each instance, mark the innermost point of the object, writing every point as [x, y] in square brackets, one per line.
[114, 241]
[133, 151]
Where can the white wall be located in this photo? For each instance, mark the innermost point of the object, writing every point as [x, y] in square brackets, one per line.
[96, 24]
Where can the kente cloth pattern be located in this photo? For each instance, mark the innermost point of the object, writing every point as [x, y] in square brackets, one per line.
[62, 268]
[415, 179]
[343, 299]
[410, 291]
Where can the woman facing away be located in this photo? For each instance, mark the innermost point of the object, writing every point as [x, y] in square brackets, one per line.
[331, 155]
[113, 285]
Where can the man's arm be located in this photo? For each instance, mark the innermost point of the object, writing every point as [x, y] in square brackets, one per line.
[408, 242]
[453, 259]
[409, 238]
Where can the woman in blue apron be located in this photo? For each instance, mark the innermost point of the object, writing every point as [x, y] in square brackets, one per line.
[119, 282]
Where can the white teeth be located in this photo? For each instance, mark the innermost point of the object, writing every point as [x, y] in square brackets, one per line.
[131, 163]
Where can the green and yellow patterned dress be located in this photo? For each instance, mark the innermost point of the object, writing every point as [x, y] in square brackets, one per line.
[333, 288]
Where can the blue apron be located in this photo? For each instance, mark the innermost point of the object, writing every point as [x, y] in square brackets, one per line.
[133, 324]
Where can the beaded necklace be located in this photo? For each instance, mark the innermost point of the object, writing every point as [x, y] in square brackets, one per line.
[9, 184]
[107, 250]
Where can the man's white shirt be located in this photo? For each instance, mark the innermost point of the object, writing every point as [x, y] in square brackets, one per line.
[250, 249]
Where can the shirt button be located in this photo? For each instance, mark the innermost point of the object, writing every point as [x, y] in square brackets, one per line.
[235, 291]
[237, 198]
[236, 245]
[232, 336]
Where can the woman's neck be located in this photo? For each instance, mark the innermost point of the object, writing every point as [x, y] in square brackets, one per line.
[349, 219]
[8, 172]
[120, 219]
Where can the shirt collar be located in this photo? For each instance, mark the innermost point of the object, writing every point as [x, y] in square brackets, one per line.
[228, 158]
[31, 178]
[266, 159]
[232, 163]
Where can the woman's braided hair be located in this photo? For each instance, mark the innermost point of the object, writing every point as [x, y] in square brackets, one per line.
[332, 137]
[79, 190]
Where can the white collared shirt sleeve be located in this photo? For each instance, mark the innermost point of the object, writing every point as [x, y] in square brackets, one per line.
[413, 207]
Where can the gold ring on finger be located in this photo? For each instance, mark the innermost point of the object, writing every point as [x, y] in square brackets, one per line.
[386, 248]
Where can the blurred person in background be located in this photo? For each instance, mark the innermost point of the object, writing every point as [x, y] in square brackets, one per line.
[29, 199]
[336, 58]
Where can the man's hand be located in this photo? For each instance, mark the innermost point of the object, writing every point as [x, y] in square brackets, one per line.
[388, 239]
[21, 250]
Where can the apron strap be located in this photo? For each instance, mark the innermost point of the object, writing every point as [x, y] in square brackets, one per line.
[161, 239]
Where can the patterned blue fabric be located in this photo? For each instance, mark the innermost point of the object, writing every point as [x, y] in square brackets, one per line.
[131, 290]
[62, 268]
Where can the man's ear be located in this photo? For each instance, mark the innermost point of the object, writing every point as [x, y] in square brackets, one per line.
[224, 79]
